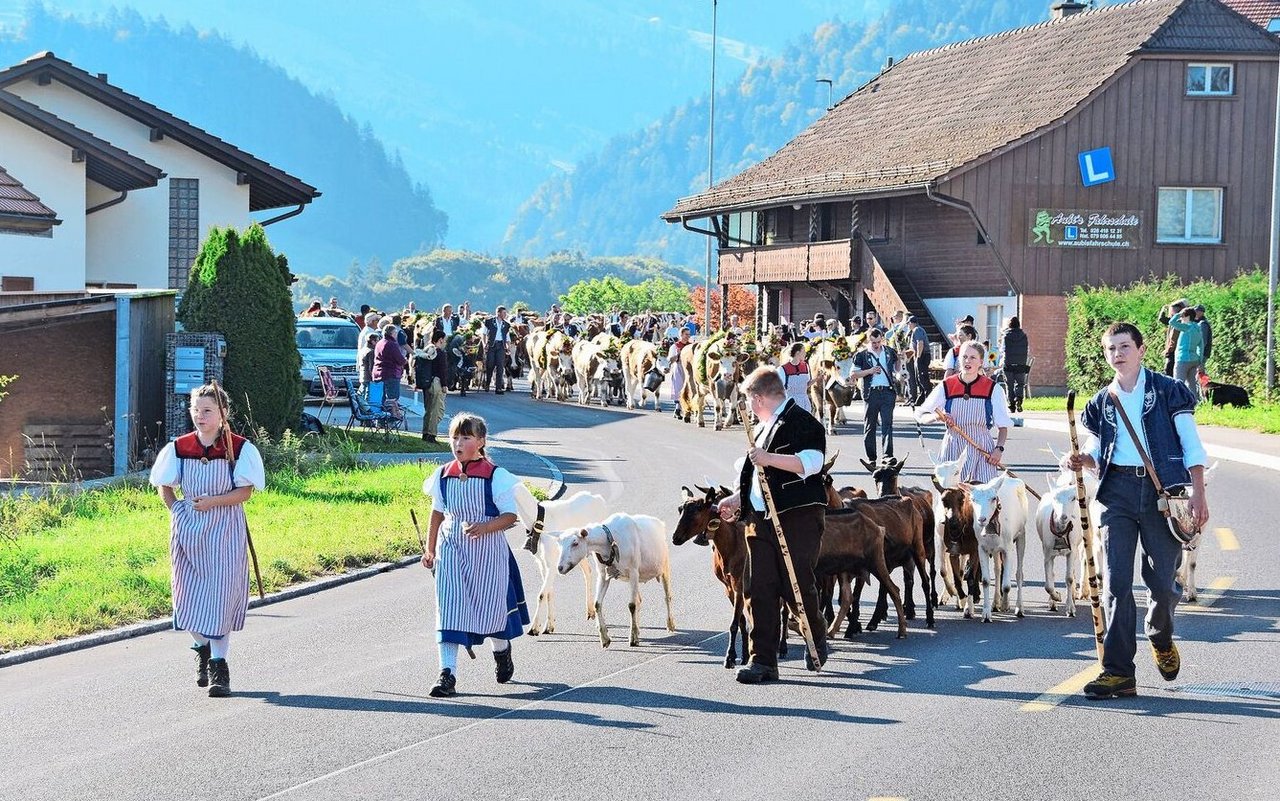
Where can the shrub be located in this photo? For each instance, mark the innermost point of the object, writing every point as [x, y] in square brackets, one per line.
[240, 288]
[1236, 311]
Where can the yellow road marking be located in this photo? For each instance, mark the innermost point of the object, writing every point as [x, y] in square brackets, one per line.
[887, 798]
[1061, 692]
[1216, 589]
[1226, 539]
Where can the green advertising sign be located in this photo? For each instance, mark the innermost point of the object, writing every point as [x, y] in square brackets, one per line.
[1075, 228]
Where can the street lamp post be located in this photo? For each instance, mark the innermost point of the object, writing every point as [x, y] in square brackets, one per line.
[711, 150]
[828, 82]
[1274, 260]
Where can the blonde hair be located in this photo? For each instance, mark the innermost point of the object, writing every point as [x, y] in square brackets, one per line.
[973, 344]
[466, 424]
[215, 391]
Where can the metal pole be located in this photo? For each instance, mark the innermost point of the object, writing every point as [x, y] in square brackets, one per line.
[711, 150]
[1274, 260]
[830, 96]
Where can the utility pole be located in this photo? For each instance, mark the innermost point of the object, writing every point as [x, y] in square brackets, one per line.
[711, 151]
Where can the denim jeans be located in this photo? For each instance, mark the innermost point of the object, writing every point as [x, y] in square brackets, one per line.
[1130, 516]
[878, 415]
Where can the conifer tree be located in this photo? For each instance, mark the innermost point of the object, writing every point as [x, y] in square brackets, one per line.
[239, 288]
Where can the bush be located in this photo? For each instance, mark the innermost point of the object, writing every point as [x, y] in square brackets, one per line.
[240, 288]
[1236, 311]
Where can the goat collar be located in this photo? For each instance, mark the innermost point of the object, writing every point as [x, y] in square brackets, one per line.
[613, 548]
[535, 534]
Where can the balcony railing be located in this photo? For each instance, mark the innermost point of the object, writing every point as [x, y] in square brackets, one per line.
[793, 261]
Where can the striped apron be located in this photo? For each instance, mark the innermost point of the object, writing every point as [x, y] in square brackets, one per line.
[478, 589]
[971, 415]
[210, 579]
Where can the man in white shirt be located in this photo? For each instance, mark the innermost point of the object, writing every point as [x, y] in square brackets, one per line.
[1161, 412]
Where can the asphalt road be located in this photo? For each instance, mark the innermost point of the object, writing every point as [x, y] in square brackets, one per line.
[330, 690]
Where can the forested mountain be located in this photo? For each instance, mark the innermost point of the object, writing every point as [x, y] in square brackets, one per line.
[452, 276]
[609, 204]
[370, 206]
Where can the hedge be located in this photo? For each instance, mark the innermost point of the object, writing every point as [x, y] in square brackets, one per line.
[1236, 311]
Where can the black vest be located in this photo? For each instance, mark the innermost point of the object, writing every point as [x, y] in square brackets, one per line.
[796, 431]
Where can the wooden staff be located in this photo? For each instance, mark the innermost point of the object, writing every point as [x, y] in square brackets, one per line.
[422, 541]
[1086, 527]
[965, 436]
[772, 511]
[229, 445]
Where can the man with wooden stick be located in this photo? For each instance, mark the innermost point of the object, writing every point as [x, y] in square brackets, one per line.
[790, 445]
[1160, 413]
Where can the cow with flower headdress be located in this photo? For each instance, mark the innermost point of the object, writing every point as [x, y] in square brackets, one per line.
[830, 392]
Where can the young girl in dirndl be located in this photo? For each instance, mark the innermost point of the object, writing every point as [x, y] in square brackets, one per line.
[208, 532]
[478, 591]
[975, 404]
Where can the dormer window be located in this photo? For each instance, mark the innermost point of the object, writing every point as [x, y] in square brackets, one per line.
[1210, 80]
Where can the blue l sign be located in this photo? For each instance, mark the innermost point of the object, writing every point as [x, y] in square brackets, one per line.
[1096, 167]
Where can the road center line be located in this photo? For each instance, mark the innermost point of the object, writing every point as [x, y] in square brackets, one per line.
[1226, 539]
[1215, 591]
[1061, 692]
[474, 724]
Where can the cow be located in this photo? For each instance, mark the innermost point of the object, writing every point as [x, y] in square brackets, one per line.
[1000, 520]
[630, 546]
[644, 367]
[535, 347]
[560, 376]
[711, 359]
[542, 521]
[830, 363]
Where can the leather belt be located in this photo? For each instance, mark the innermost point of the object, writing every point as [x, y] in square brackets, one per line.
[1128, 470]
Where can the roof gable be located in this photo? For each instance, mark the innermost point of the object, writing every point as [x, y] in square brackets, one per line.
[1259, 12]
[939, 110]
[22, 210]
[105, 163]
[269, 187]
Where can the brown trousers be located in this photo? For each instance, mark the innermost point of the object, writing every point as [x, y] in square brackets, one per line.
[769, 584]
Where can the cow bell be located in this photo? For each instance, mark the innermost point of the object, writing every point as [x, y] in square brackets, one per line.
[652, 380]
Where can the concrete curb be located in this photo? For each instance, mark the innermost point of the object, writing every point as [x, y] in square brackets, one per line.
[132, 630]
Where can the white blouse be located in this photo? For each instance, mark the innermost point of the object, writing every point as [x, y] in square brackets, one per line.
[504, 486]
[166, 472]
[938, 400]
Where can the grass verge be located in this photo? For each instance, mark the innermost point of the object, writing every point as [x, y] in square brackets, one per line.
[72, 564]
[1261, 416]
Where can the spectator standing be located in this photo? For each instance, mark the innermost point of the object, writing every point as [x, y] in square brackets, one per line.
[366, 362]
[691, 325]
[314, 310]
[677, 369]
[1188, 356]
[388, 363]
[1171, 333]
[431, 375]
[497, 335]
[1206, 336]
[364, 347]
[1015, 353]
[876, 365]
[918, 365]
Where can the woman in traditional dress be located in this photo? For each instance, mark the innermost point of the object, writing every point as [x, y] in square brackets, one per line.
[208, 531]
[681, 342]
[794, 373]
[478, 589]
[973, 403]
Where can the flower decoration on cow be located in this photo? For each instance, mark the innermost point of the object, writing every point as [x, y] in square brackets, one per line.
[841, 350]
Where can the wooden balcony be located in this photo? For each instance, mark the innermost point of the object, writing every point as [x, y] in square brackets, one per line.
[793, 261]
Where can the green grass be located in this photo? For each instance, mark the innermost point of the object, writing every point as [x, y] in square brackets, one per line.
[376, 442]
[1262, 416]
[75, 564]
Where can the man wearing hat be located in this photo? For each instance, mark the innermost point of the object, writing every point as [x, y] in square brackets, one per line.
[1171, 336]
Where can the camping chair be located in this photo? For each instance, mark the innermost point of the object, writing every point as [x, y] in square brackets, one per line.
[331, 394]
[366, 415]
[391, 407]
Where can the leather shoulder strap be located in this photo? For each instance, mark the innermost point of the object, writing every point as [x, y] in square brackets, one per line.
[1146, 460]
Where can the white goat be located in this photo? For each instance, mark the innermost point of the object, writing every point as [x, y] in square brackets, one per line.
[630, 546]
[1058, 524]
[1187, 565]
[579, 509]
[1000, 520]
[947, 475]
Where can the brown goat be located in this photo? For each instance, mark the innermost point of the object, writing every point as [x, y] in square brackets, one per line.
[851, 545]
[904, 552]
[698, 519]
[961, 541]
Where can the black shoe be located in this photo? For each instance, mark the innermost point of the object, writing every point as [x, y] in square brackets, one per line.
[505, 667]
[755, 673]
[429, 438]
[446, 685]
[499, 391]
[220, 686]
[824, 651]
[202, 664]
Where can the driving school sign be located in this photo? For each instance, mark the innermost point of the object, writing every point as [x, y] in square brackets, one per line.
[1073, 228]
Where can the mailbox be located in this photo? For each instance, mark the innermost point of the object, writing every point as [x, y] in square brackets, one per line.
[191, 361]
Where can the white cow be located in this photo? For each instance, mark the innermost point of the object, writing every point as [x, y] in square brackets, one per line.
[535, 347]
[591, 365]
[947, 476]
[1000, 519]
[542, 522]
[633, 547]
[644, 368]
[559, 376]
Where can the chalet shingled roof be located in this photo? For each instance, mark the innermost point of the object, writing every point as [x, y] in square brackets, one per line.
[17, 203]
[936, 111]
[1259, 12]
[105, 163]
[269, 187]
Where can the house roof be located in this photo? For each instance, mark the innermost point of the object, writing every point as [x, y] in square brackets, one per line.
[21, 209]
[936, 112]
[269, 187]
[105, 163]
[1259, 12]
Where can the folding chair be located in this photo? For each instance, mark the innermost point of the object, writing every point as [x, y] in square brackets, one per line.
[331, 394]
[391, 407]
[365, 414]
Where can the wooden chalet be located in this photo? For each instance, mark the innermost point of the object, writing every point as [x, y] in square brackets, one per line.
[991, 177]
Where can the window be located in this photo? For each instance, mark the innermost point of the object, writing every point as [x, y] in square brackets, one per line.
[1211, 79]
[989, 321]
[1186, 214]
[742, 229]
[184, 229]
[17, 283]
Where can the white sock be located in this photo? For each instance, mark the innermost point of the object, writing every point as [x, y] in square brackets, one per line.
[218, 646]
[449, 657]
[200, 639]
[500, 645]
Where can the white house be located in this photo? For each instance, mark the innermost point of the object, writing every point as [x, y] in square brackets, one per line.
[138, 191]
